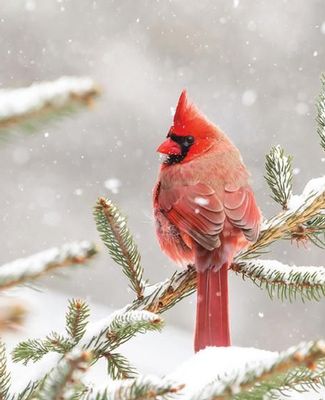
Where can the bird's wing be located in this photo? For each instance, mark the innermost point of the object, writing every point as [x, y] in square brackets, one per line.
[196, 211]
[241, 210]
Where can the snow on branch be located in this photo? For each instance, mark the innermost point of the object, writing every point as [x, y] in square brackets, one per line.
[279, 175]
[115, 234]
[284, 281]
[321, 113]
[64, 377]
[30, 268]
[301, 209]
[109, 333]
[19, 104]
[226, 373]
[101, 338]
[143, 388]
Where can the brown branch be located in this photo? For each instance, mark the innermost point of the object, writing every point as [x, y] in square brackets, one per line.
[284, 223]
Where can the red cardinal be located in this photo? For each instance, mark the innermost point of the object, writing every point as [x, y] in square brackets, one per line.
[205, 212]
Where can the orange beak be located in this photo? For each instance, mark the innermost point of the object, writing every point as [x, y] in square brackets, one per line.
[169, 147]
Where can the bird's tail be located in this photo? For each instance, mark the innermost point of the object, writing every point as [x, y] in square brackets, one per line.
[212, 319]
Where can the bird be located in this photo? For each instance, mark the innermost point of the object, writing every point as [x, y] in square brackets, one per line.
[205, 212]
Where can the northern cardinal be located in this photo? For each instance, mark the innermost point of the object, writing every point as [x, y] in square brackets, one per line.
[205, 212]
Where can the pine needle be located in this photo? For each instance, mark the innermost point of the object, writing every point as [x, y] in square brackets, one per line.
[119, 241]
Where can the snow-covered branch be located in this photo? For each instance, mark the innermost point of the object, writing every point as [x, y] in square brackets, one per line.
[143, 388]
[17, 105]
[301, 209]
[279, 175]
[109, 333]
[30, 268]
[227, 372]
[284, 281]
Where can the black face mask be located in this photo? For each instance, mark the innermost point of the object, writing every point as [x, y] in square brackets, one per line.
[185, 143]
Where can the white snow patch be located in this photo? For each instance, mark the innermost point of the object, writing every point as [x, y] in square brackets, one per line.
[201, 201]
[228, 363]
[313, 188]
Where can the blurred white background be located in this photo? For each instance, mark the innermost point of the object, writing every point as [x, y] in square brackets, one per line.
[252, 67]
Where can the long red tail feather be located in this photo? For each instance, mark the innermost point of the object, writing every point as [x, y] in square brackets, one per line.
[212, 318]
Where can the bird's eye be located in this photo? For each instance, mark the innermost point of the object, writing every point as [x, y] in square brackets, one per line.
[190, 139]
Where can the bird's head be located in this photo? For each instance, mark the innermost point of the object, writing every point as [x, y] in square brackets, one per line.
[191, 134]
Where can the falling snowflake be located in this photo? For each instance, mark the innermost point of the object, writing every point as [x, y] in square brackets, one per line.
[113, 185]
[248, 98]
[201, 201]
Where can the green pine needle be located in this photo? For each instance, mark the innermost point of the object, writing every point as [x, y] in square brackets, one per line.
[4, 374]
[283, 281]
[320, 119]
[299, 369]
[34, 349]
[279, 175]
[118, 366]
[115, 234]
[141, 389]
[77, 319]
[122, 327]
[28, 392]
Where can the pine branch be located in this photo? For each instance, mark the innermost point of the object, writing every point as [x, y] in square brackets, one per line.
[314, 230]
[284, 281]
[279, 175]
[64, 377]
[4, 374]
[77, 319]
[109, 334]
[320, 119]
[302, 209]
[34, 349]
[118, 239]
[119, 367]
[164, 295]
[294, 369]
[27, 105]
[144, 388]
[27, 393]
[33, 267]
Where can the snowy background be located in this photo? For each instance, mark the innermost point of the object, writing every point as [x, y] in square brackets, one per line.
[252, 67]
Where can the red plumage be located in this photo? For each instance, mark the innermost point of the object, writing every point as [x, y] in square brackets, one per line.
[205, 213]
